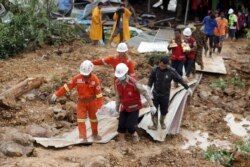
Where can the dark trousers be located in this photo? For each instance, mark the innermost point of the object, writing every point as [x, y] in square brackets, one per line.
[178, 66]
[211, 40]
[161, 101]
[189, 63]
[128, 121]
[165, 4]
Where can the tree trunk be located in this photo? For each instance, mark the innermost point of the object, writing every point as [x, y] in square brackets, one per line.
[7, 98]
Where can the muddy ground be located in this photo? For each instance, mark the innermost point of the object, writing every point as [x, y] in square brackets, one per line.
[204, 112]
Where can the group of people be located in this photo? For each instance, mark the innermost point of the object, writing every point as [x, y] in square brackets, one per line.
[120, 32]
[127, 89]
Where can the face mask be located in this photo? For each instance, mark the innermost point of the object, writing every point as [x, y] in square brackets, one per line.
[187, 37]
[122, 78]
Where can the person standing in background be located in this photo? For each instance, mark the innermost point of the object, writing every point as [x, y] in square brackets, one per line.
[96, 33]
[220, 31]
[120, 32]
[232, 23]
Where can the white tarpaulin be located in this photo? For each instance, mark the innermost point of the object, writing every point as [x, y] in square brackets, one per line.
[161, 46]
[214, 64]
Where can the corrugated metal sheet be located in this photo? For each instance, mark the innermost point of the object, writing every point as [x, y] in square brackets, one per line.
[214, 64]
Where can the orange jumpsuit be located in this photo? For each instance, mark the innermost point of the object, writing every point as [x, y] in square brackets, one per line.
[89, 100]
[115, 60]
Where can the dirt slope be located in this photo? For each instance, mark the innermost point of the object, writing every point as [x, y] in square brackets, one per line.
[59, 66]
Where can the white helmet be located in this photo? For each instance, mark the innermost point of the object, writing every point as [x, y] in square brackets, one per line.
[187, 32]
[120, 70]
[122, 47]
[86, 67]
[230, 11]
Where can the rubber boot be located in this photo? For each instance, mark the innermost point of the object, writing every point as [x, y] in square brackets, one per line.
[121, 137]
[155, 122]
[219, 50]
[210, 52]
[163, 125]
[135, 137]
[97, 137]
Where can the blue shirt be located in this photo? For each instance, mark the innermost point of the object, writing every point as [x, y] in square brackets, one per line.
[65, 5]
[209, 25]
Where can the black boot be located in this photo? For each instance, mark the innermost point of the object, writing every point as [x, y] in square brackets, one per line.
[155, 122]
[162, 119]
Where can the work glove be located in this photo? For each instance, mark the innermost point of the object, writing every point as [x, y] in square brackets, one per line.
[53, 98]
[153, 110]
[190, 92]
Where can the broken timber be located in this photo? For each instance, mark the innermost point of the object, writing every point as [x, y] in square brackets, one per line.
[7, 98]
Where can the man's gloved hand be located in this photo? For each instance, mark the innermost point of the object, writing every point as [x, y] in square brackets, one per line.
[190, 92]
[53, 98]
[153, 110]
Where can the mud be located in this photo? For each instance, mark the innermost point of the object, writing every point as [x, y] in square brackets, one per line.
[201, 114]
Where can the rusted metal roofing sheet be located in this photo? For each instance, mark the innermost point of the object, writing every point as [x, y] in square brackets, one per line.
[215, 64]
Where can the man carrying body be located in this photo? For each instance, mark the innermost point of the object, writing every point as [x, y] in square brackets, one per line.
[161, 77]
[122, 57]
[89, 98]
[128, 102]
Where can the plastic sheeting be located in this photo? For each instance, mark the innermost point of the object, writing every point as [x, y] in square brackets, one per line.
[153, 47]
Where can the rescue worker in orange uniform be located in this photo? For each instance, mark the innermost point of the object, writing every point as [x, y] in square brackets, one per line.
[190, 55]
[120, 32]
[122, 57]
[89, 98]
[128, 102]
[96, 25]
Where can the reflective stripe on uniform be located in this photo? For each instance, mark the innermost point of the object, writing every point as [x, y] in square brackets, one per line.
[133, 106]
[104, 62]
[66, 87]
[81, 120]
[93, 120]
[99, 95]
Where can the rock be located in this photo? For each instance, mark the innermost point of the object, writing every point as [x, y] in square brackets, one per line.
[60, 116]
[30, 96]
[36, 131]
[22, 138]
[241, 159]
[70, 106]
[229, 92]
[57, 108]
[215, 99]
[204, 94]
[248, 93]
[12, 149]
[96, 161]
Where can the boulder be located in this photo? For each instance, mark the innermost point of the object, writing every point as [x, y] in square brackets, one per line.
[22, 138]
[229, 92]
[36, 131]
[204, 94]
[96, 161]
[11, 149]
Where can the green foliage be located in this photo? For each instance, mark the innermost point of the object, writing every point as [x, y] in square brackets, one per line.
[225, 157]
[236, 82]
[221, 156]
[243, 146]
[31, 27]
